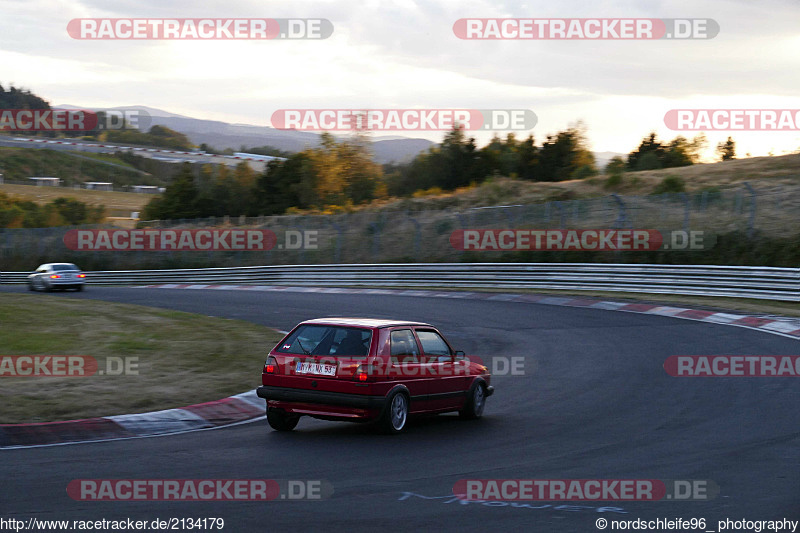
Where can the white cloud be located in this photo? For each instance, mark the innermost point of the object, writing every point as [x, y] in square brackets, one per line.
[403, 54]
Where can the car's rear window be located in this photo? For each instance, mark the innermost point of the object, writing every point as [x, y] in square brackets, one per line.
[65, 266]
[333, 341]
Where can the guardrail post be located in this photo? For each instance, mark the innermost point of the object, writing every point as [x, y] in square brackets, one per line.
[337, 251]
[462, 221]
[376, 239]
[417, 236]
[622, 216]
[751, 220]
[302, 242]
[562, 215]
[686, 208]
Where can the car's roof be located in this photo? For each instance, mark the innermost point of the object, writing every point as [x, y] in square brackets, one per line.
[364, 322]
[57, 264]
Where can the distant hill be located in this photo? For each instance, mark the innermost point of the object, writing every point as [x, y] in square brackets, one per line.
[221, 135]
[601, 159]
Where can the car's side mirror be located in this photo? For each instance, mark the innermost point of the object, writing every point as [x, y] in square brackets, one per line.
[460, 354]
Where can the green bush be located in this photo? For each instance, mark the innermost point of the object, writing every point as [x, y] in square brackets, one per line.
[614, 181]
[670, 184]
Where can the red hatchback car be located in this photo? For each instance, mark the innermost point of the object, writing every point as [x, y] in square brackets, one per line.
[361, 369]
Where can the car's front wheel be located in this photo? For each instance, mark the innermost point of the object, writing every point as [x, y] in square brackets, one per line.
[476, 401]
[396, 415]
[280, 420]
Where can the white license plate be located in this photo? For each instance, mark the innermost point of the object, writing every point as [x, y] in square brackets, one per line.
[316, 368]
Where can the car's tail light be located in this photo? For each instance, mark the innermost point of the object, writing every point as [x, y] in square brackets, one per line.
[54, 276]
[363, 373]
[271, 366]
[81, 275]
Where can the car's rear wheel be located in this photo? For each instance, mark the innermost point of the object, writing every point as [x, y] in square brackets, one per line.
[476, 401]
[280, 420]
[396, 415]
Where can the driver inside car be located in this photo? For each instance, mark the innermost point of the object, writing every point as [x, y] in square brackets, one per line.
[352, 344]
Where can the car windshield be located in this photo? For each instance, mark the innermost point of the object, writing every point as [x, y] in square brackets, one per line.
[334, 341]
[65, 266]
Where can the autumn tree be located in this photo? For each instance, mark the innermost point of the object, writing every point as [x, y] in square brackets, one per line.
[727, 150]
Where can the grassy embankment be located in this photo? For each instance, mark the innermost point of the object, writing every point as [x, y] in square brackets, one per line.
[183, 358]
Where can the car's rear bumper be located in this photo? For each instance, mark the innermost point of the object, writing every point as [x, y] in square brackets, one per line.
[61, 282]
[339, 399]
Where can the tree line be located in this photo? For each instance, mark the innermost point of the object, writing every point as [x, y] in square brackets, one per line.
[18, 213]
[334, 175]
[458, 162]
[15, 98]
[654, 154]
[340, 173]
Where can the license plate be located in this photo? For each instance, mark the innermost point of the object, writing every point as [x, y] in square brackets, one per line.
[316, 368]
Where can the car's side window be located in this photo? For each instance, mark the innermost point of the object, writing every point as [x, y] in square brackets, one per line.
[404, 346]
[433, 344]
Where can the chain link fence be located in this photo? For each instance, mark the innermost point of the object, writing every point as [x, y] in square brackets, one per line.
[424, 236]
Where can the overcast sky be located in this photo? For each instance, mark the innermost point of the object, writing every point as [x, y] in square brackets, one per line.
[404, 54]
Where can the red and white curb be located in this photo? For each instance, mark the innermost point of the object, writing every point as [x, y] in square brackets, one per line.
[777, 325]
[210, 415]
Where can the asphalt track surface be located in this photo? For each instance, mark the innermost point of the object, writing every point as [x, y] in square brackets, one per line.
[594, 403]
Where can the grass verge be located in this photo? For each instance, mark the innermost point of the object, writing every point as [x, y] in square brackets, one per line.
[183, 358]
[117, 201]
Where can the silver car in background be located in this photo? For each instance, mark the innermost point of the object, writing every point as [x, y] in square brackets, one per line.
[51, 276]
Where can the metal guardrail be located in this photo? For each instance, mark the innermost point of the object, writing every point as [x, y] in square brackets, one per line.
[765, 283]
